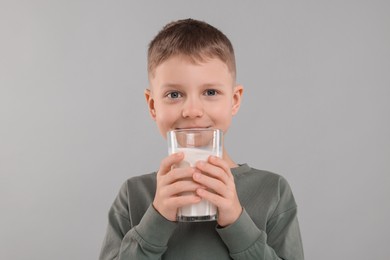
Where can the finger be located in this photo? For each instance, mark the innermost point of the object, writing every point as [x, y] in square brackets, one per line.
[168, 162]
[211, 183]
[212, 197]
[177, 174]
[222, 164]
[184, 200]
[181, 188]
[213, 170]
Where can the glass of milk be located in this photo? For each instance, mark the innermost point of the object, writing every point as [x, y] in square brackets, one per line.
[197, 144]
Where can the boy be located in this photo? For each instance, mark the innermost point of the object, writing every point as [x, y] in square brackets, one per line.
[191, 68]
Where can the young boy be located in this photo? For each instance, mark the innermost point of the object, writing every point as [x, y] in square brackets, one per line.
[192, 76]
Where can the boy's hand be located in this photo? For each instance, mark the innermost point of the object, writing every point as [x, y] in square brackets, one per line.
[217, 177]
[171, 183]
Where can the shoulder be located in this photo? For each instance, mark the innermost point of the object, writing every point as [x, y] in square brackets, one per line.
[142, 179]
[135, 196]
[134, 186]
[269, 179]
[282, 191]
[140, 183]
[267, 187]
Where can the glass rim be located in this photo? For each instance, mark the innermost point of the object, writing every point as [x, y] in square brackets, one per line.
[194, 130]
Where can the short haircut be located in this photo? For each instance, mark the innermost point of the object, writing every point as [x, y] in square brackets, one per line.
[193, 39]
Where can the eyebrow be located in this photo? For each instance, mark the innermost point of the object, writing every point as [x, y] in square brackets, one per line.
[171, 85]
[207, 85]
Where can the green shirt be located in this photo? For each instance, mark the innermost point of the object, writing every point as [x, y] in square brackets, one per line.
[267, 228]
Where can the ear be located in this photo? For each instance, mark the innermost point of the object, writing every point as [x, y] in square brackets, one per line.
[237, 97]
[150, 103]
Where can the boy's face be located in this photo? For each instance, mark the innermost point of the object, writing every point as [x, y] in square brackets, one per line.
[187, 95]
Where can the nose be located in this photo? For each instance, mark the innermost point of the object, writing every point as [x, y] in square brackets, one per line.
[192, 108]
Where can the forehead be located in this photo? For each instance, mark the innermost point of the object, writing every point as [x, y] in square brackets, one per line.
[186, 68]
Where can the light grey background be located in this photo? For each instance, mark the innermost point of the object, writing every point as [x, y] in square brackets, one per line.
[74, 125]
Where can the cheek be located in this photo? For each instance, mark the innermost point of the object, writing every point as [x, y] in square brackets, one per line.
[165, 115]
[162, 118]
[222, 115]
[222, 110]
[163, 122]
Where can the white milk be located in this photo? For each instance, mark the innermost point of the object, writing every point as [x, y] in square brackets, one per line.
[203, 208]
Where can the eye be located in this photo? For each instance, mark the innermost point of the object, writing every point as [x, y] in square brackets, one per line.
[210, 92]
[174, 95]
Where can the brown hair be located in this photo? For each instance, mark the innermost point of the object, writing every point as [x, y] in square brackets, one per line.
[194, 39]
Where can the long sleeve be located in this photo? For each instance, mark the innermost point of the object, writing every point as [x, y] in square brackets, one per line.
[246, 241]
[280, 238]
[146, 240]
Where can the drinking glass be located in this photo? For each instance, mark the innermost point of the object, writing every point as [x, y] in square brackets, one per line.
[197, 144]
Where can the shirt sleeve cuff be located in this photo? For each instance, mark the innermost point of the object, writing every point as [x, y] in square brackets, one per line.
[240, 235]
[154, 228]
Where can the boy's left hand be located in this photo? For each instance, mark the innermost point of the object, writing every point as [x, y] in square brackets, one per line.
[216, 176]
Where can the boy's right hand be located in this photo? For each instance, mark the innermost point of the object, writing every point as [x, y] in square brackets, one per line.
[171, 184]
